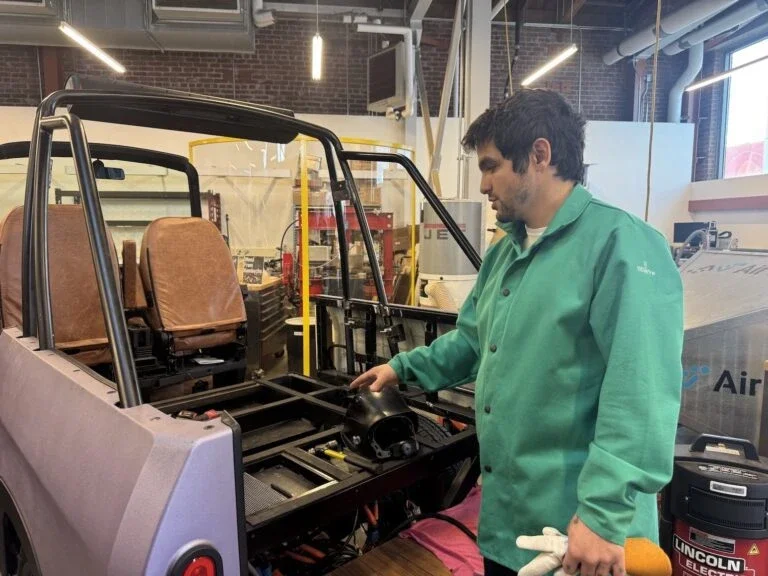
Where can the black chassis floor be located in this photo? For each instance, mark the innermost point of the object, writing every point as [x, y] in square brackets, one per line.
[280, 419]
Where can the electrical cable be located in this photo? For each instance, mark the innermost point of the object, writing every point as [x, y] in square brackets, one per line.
[354, 527]
[509, 51]
[520, 6]
[435, 516]
[282, 239]
[653, 107]
[581, 58]
[324, 264]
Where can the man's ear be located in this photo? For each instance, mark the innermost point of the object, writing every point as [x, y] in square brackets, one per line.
[541, 153]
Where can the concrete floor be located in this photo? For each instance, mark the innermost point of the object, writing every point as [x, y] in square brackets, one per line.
[275, 366]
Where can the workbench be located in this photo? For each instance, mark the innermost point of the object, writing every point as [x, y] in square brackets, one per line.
[398, 557]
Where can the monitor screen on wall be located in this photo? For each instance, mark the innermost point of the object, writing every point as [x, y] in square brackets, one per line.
[386, 80]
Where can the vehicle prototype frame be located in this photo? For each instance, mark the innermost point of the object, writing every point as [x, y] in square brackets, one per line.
[183, 487]
[176, 111]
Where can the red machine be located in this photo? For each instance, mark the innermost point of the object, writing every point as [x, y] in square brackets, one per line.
[718, 499]
[287, 264]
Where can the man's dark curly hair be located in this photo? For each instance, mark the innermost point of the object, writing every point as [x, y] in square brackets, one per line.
[516, 123]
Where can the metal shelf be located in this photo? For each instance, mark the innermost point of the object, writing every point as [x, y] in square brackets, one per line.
[370, 175]
[128, 223]
[132, 195]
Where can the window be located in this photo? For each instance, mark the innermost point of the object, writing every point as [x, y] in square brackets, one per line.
[746, 136]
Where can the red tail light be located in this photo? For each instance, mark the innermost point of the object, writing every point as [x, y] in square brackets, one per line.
[198, 560]
[200, 566]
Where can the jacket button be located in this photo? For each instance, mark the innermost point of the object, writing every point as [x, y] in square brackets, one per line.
[488, 409]
[493, 348]
[488, 469]
[505, 292]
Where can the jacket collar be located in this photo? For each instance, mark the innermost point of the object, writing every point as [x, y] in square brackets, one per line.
[573, 207]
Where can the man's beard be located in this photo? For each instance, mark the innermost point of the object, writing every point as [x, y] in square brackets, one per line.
[507, 213]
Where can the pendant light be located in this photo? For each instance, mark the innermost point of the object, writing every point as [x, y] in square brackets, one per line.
[317, 47]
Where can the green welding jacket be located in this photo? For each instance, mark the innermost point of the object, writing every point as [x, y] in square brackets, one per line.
[575, 347]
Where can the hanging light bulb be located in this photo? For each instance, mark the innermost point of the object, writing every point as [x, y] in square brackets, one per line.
[317, 47]
[317, 57]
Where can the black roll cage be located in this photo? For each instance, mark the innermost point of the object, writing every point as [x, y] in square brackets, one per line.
[191, 113]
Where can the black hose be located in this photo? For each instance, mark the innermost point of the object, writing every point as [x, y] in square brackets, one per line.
[282, 239]
[435, 516]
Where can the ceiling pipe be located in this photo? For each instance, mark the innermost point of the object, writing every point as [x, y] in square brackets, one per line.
[666, 41]
[695, 63]
[672, 24]
[407, 34]
[737, 17]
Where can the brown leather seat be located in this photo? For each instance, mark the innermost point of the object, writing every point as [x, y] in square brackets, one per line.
[78, 321]
[193, 292]
[8, 316]
[133, 288]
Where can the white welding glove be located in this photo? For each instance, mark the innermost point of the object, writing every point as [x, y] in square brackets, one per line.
[552, 545]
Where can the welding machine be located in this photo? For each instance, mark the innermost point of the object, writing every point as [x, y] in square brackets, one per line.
[718, 500]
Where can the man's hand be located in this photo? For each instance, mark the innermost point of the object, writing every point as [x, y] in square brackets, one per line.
[377, 378]
[590, 555]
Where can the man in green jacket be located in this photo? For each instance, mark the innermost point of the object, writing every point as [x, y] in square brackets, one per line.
[573, 334]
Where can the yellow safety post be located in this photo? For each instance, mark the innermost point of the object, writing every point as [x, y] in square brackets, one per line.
[305, 257]
[413, 244]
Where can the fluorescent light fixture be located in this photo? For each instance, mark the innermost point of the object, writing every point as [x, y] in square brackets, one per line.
[556, 61]
[724, 75]
[92, 48]
[317, 57]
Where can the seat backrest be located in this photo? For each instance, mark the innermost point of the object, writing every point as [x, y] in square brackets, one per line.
[78, 321]
[10, 268]
[193, 290]
[133, 288]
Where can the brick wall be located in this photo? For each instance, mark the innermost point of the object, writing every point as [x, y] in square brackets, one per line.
[436, 40]
[670, 68]
[602, 93]
[19, 77]
[278, 73]
[710, 119]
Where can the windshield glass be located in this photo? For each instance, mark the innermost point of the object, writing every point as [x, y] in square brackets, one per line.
[132, 193]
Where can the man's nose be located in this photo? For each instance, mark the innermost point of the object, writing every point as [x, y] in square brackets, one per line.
[485, 185]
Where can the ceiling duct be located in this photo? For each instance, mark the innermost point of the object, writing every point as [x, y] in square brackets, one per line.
[197, 10]
[261, 17]
[28, 7]
[737, 17]
[673, 23]
[190, 25]
[675, 103]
